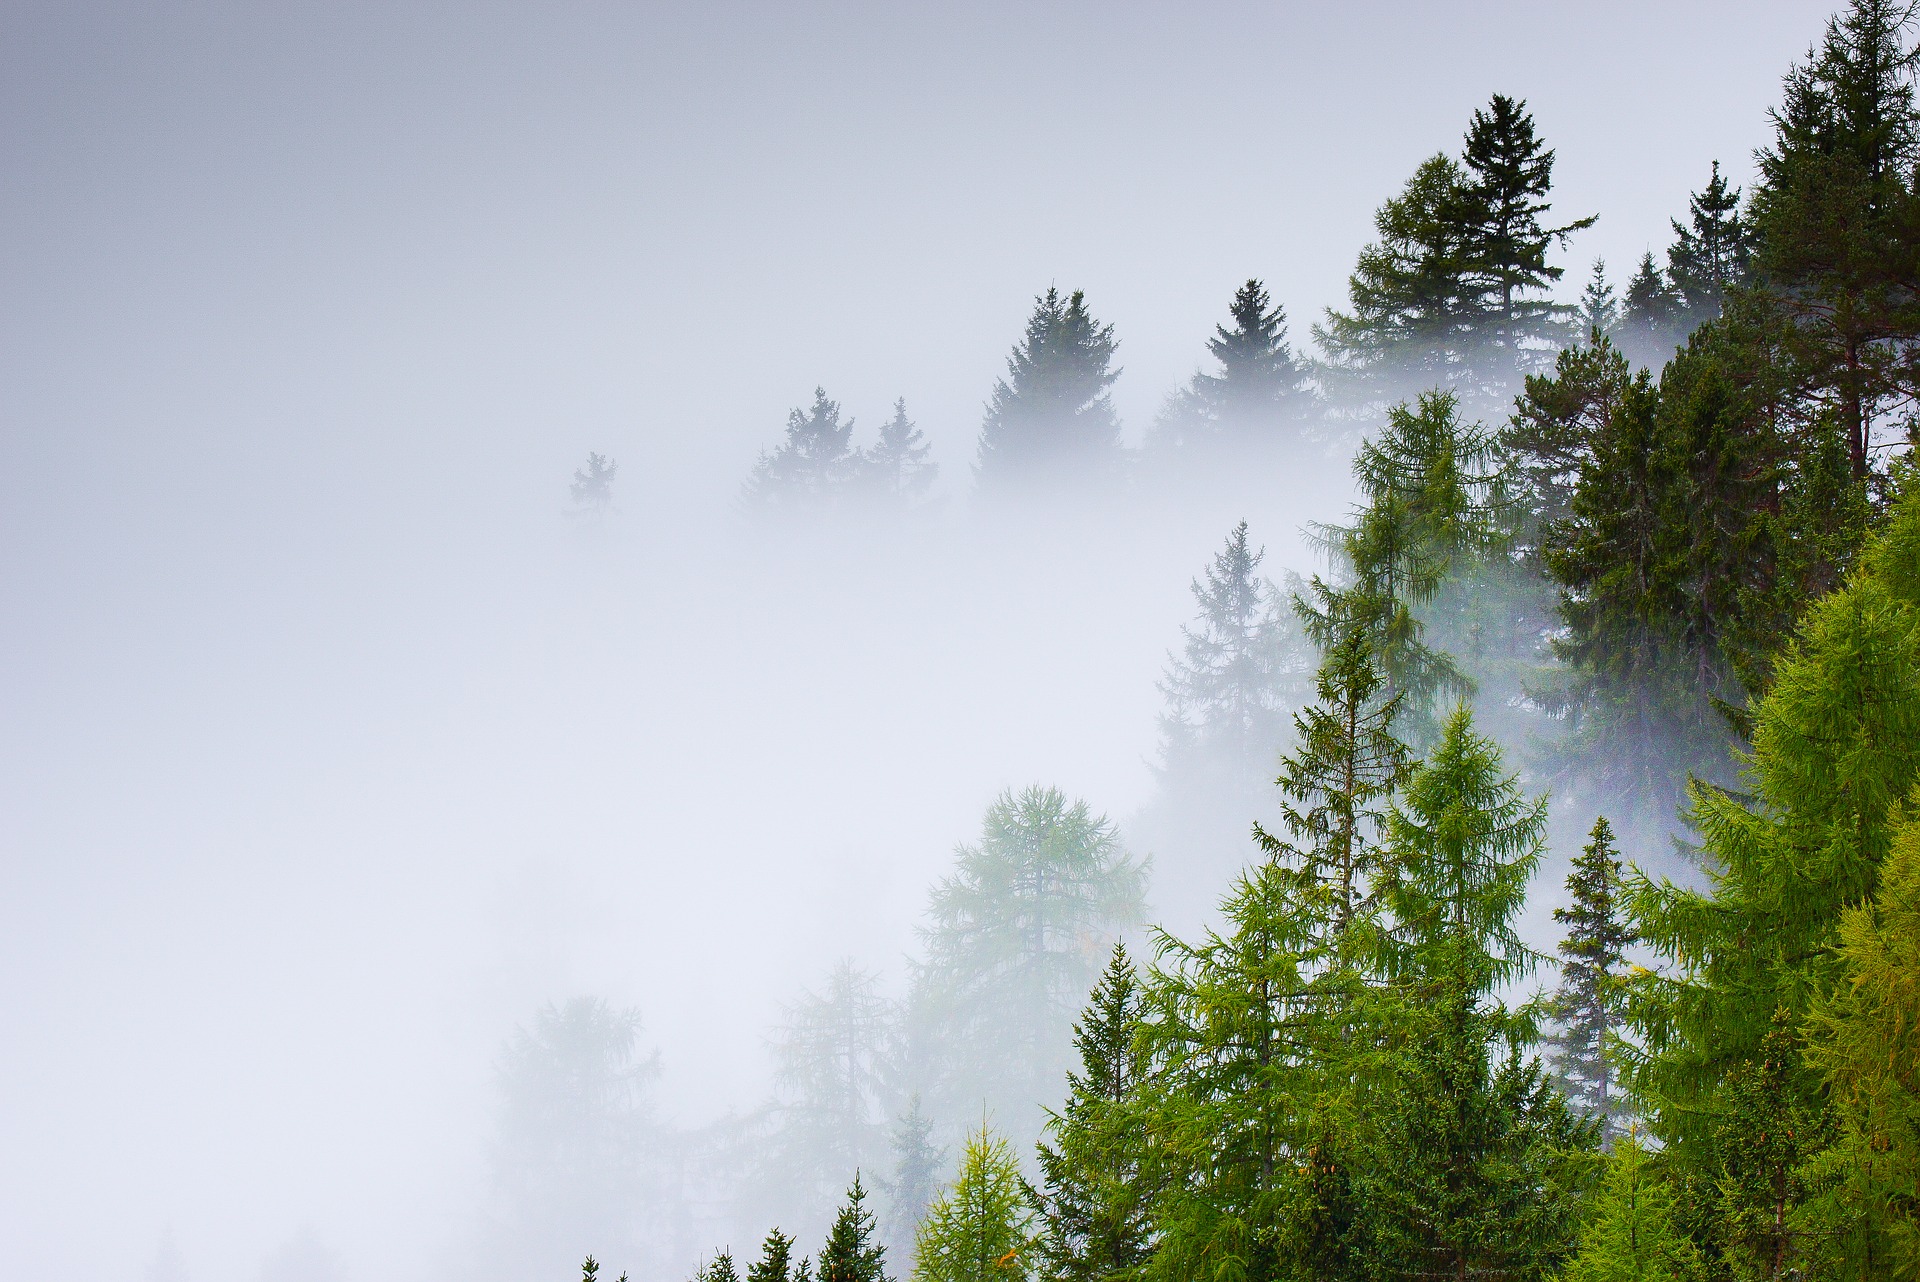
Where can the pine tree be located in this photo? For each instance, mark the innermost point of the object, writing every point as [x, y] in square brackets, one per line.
[1051, 419]
[1091, 1210]
[812, 467]
[896, 468]
[1010, 951]
[852, 1254]
[1588, 1003]
[979, 1230]
[1507, 175]
[1709, 256]
[916, 1177]
[1230, 690]
[1632, 1232]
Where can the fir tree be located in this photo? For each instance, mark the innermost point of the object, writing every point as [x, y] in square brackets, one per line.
[852, 1254]
[1587, 1005]
[1091, 1209]
[1009, 950]
[916, 1177]
[1051, 418]
[718, 1269]
[1709, 256]
[1633, 1232]
[896, 468]
[979, 1230]
[1260, 393]
[1550, 437]
[1229, 691]
[812, 467]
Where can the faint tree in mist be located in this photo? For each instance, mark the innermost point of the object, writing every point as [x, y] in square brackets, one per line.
[812, 467]
[1051, 419]
[1016, 938]
[917, 1164]
[1259, 394]
[895, 470]
[592, 489]
[572, 1149]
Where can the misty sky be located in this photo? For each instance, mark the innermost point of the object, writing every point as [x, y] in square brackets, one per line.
[328, 750]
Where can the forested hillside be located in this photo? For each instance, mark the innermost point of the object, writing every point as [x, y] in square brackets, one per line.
[1656, 552]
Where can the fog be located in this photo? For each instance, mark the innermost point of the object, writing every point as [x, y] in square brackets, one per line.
[332, 747]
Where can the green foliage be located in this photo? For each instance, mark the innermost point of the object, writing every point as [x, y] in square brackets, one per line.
[1865, 1041]
[718, 1269]
[1632, 1232]
[1588, 1005]
[1091, 1207]
[1013, 944]
[776, 1259]
[852, 1253]
[1051, 418]
[1709, 254]
[980, 1230]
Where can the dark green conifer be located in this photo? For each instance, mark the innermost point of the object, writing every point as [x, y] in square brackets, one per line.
[1588, 1004]
[1651, 323]
[1599, 311]
[1092, 1204]
[776, 1259]
[853, 1252]
[1708, 256]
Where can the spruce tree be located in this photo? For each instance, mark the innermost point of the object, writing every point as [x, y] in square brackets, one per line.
[1836, 221]
[1708, 256]
[1507, 175]
[896, 468]
[916, 1177]
[592, 489]
[1550, 437]
[1092, 1205]
[852, 1253]
[1260, 394]
[979, 1230]
[1230, 690]
[1651, 322]
[1477, 1167]
[1599, 311]
[718, 1269]
[776, 1259]
[1588, 1004]
[1411, 319]
[812, 467]
[1051, 419]
[1008, 955]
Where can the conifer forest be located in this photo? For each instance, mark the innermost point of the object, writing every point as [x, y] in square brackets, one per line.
[1436, 797]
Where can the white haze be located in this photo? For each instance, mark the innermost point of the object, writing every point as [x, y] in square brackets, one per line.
[329, 749]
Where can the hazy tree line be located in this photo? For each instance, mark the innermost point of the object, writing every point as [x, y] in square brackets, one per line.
[1669, 541]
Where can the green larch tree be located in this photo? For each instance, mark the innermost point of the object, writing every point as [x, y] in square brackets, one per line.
[1633, 1232]
[980, 1229]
